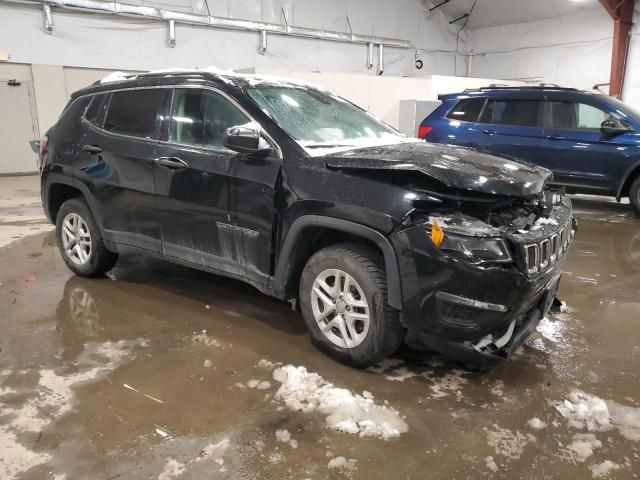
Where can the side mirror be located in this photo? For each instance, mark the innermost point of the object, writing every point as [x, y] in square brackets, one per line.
[246, 139]
[612, 126]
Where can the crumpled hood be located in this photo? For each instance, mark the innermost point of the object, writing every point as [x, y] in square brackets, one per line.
[456, 167]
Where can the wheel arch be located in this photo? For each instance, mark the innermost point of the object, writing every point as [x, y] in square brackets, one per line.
[312, 230]
[627, 179]
[60, 189]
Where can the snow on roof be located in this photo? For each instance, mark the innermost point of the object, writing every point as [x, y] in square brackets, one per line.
[227, 76]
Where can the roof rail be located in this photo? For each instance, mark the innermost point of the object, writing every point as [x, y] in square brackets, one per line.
[541, 86]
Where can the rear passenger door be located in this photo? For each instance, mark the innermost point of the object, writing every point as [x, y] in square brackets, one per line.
[578, 152]
[116, 163]
[512, 126]
[202, 190]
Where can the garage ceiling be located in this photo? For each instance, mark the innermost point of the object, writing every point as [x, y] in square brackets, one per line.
[489, 13]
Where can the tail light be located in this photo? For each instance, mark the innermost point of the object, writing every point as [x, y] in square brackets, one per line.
[44, 143]
[423, 131]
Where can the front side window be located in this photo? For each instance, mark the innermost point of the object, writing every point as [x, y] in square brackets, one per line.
[467, 110]
[319, 121]
[135, 112]
[522, 113]
[200, 117]
[576, 116]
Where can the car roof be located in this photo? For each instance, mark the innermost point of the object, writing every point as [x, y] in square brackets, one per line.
[205, 76]
[494, 90]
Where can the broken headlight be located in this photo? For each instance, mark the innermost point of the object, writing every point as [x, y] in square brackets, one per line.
[450, 236]
[475, 250]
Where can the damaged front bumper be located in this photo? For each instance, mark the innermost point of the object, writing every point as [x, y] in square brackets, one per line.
[480, 314]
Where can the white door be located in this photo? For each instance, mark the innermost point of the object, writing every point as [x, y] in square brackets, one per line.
[17, 127]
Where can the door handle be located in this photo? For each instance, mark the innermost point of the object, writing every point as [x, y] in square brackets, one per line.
[555, 137]
[92, 149]
[489, 131]
[172, 163]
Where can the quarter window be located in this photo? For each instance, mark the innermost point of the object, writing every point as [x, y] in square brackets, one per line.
[576, 116]
[97, 108]
[200, 117]
[467, 110]
[135, 112]
[523, 113]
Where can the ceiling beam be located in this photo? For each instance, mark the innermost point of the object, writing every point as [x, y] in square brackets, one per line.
[621, 12]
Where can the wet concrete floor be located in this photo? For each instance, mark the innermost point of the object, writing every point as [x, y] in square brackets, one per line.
[113, 378]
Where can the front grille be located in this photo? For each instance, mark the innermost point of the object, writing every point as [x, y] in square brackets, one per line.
[541, 255]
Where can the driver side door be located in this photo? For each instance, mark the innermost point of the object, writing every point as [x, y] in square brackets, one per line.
[577, 151]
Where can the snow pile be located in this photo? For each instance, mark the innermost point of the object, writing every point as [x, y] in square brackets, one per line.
[582, 446]
[114, 77]
[342, 465]
[601, 469]
[491, 464]
[586, 411]
[283, 436]
[346, 412]
[536, 423]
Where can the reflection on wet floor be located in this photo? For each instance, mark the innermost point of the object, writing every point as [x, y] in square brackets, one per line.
[159, 371]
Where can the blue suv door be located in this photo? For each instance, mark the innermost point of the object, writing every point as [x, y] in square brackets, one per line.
[511, 125]
[578, 152]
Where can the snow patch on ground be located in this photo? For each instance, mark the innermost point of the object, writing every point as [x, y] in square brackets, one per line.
[257, 384]
[53, 398]
[264, 363]
[172, 469]
[582, 446]
[585, 411]
[308, 392]
[204, 339]
[505, 442]
[214, 450]
[601, 469]
[491, 464]
[400, 375]
[497, 388]
[283, 436]
[536, 423]
[448, 384]
[343, 465]
[386, 365]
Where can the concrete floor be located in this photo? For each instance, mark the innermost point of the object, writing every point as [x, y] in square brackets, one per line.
[113, 378]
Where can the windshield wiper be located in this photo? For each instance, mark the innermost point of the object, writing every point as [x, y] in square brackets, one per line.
[327, 145]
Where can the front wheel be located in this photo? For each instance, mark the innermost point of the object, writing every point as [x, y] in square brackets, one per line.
[80, 242]
[634, 194]
[343, 297]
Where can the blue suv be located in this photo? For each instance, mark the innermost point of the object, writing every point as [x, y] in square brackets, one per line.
[591, 142]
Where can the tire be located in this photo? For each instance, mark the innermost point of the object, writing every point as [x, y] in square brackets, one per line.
[347, 336]
[90, 260]
[634, 195]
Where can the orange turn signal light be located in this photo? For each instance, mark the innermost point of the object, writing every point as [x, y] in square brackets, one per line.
[437, 235]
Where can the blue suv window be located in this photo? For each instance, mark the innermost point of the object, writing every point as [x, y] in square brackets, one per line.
[467, 110]
[576, 116]
[523, 113]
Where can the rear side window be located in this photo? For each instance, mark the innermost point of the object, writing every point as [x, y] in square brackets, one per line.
[135, 112]
[576, 116]
[467, 110]
[97, 108]
[523, 113]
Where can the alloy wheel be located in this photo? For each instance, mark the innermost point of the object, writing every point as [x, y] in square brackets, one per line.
[76, 239]
[340, 308]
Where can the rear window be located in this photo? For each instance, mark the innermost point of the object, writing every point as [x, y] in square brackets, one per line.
[135, 112]
[522, 113]
[467, 110]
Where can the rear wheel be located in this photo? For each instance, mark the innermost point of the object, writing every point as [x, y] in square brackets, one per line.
[343, 297]
[80, 242]
[634, 194]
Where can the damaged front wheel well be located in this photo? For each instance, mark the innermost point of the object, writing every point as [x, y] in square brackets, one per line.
[310, 233]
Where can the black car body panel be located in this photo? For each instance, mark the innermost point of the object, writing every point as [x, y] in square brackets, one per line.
[258, 219]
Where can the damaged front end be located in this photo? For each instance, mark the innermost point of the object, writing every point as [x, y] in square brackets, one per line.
[479, 275]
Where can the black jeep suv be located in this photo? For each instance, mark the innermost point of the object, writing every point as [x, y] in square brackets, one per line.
[381, 239]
